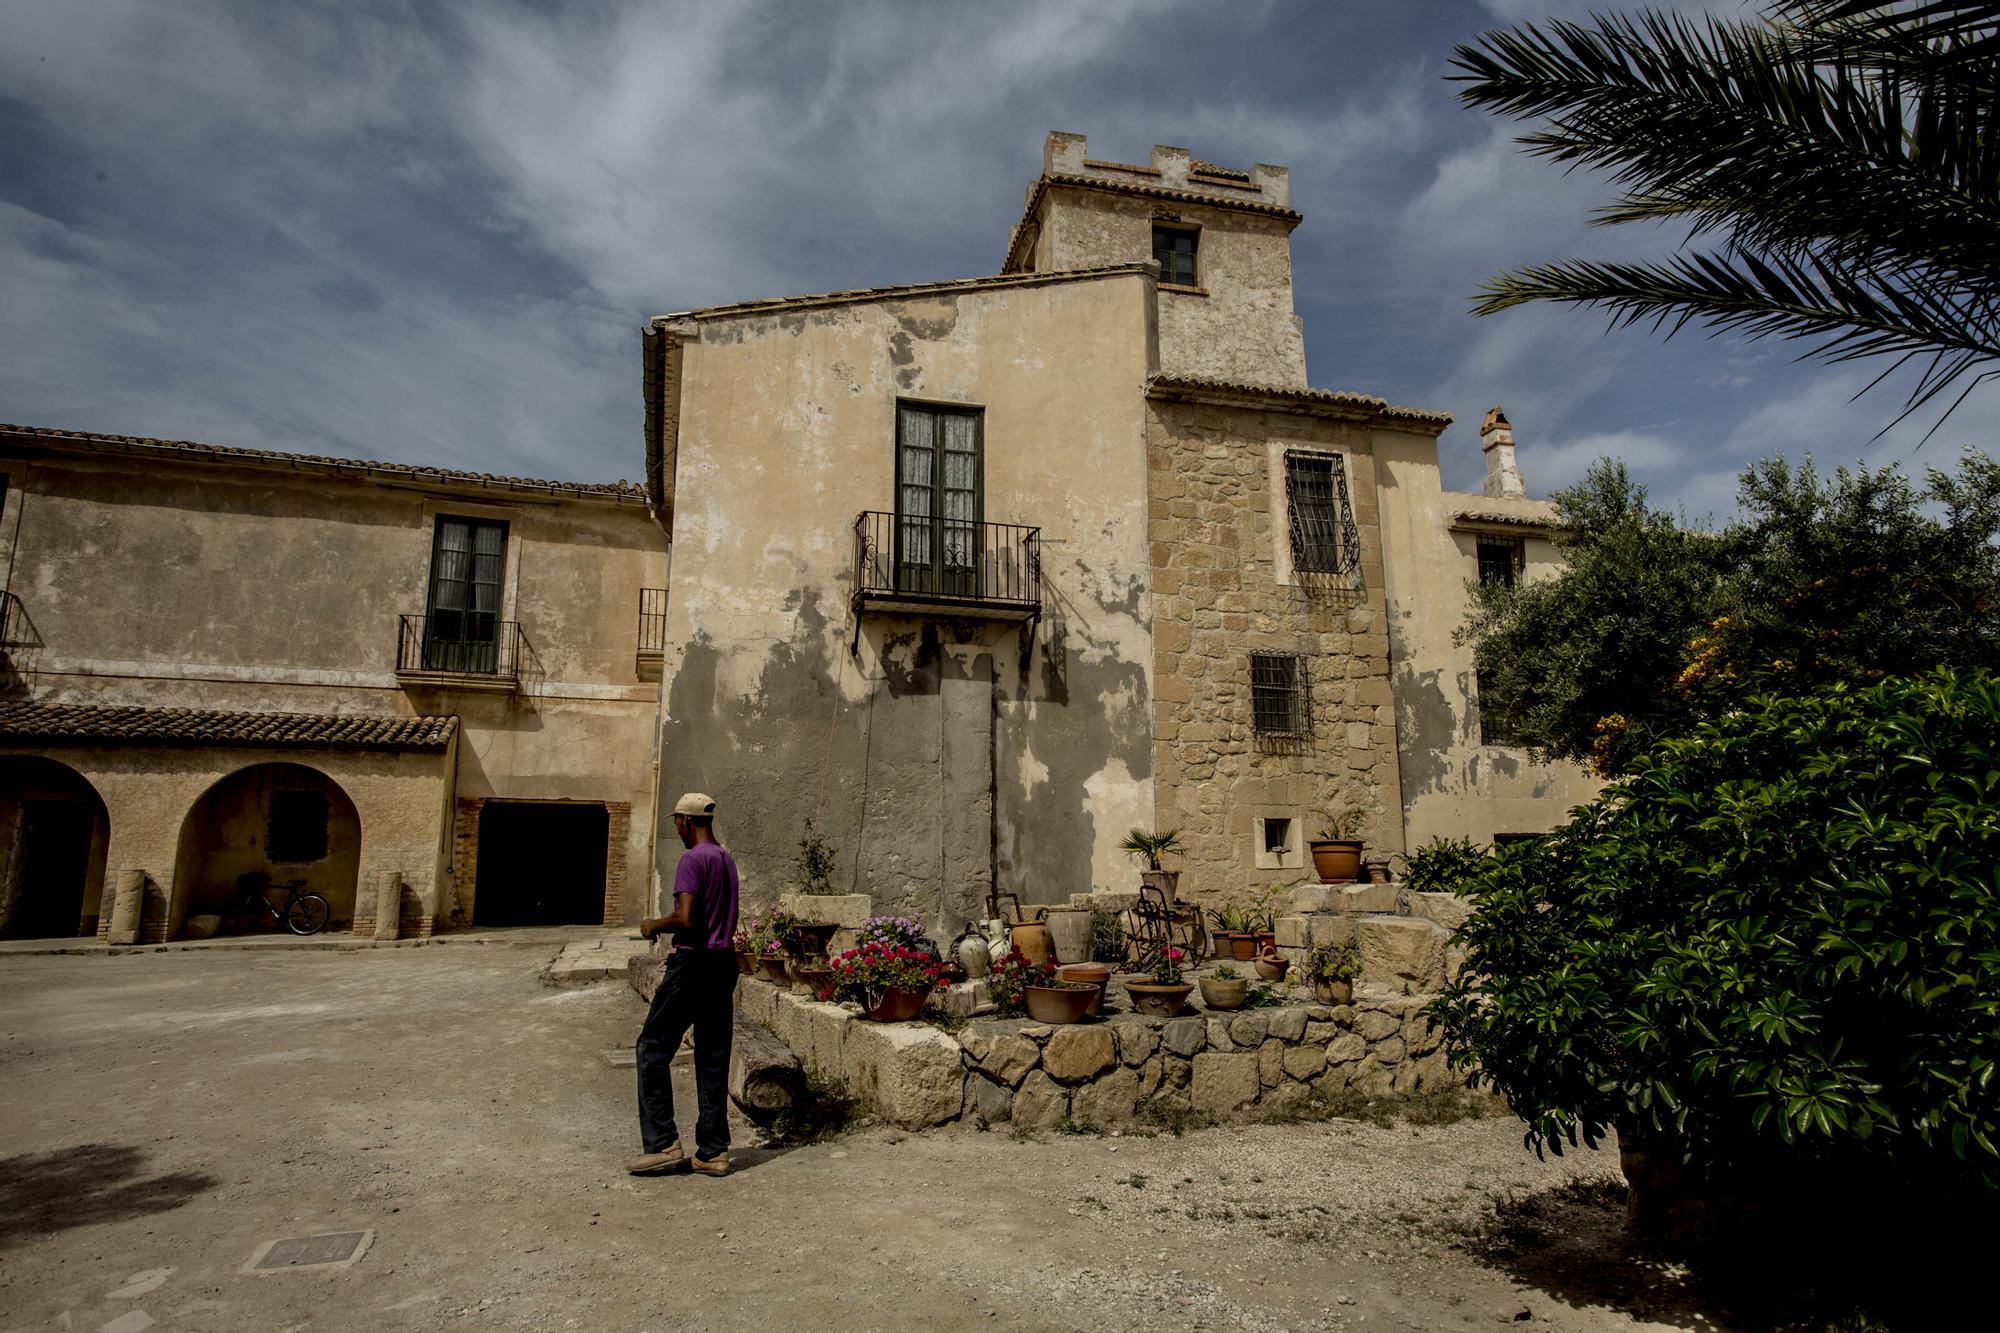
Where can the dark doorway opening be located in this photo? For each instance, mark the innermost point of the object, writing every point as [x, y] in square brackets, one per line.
[55, 865]
[540, 863]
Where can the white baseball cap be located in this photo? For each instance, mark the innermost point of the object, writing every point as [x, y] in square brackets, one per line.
[695, 803]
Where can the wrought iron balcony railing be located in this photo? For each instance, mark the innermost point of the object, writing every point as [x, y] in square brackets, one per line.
[652, 622]
[943, 564]
[468, 644]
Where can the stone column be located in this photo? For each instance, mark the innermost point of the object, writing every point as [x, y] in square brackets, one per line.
[388, 904]
[127, 907]
[966, 686]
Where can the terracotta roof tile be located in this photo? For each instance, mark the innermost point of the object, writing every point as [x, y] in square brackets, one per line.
[110, 724]
[861, 295]
[220, 453]
[1340, 402]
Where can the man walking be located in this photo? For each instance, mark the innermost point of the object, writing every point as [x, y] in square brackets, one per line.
[697, 991]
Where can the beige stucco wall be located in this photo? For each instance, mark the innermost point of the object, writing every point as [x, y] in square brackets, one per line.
[1223, 591]
[1452, 784]
[163, 583]
[1240, 327]
[932, 755]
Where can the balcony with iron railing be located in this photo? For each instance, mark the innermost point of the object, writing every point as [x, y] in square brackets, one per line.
[944, 566]
[461, 650]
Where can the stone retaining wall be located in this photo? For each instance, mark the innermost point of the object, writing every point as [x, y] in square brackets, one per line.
[1106, 1073]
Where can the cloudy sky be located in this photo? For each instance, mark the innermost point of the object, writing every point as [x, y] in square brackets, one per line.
[432, 232]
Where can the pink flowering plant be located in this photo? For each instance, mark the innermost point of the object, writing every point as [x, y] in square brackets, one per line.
[868, 970]
[896, 931]
[764, 936]
[1166, 967]
[1010, 978]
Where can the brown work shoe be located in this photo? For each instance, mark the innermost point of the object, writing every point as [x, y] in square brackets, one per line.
[658, 1163]
[717, 1165]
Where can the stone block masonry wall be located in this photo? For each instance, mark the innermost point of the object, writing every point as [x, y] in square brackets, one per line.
[1219, 528]
[1034, 1075]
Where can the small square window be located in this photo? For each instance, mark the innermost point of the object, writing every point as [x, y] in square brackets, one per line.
[1501, 559]
[296, 829]
[1174, 249]
[1277, 835]
[1280, 695]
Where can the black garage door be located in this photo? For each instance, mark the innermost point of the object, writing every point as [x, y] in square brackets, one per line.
[540, 864]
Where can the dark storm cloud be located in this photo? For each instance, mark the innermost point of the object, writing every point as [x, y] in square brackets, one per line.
[431, 233]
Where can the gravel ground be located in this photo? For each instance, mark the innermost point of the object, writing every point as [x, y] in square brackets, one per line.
[162, 1116]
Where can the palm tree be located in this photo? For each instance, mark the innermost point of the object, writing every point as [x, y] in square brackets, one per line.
[1844, 156]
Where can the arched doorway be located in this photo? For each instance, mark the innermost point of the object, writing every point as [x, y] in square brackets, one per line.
[283, 821]
[53, 835]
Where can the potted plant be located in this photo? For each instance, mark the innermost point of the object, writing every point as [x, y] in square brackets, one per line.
[765, 938]
[1151, 849]
[1107, 936]
[1011, 975]
[1330, 969]
[890, 982]
[1264, 926]
[1224, 989]
[1233, 936]
[1165, 994]
[746, 956]
[1095, 975]
[1336, 852]
[1064, 1002]
[1271, 965]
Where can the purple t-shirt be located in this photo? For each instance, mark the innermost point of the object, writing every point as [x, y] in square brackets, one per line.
[708, 872]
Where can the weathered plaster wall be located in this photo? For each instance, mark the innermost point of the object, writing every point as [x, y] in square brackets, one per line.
[1222, 591]
[786, 434]
[188, 585]
[1452, 784]
[1240, 326]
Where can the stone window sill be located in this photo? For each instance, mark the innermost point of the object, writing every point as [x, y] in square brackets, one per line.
[1185, 291]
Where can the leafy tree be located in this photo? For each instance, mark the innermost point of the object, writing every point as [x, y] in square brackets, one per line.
[1775, 942]
[1840, 154]
[1653, 627]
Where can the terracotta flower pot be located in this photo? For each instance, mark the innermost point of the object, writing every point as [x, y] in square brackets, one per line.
[1060, 1004]
[810, 940]
[1338, 860]
[895, 1006]
[1224, 993]
[1242, 946]
[1157, 1001]
[1097, 975]
[772, 969]
[811, 980]
[1333, 992]
[1032, 939]
[1267, 940]
[1271, 967]
[746, 963]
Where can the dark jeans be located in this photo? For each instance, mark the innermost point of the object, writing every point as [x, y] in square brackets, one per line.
[698, 991]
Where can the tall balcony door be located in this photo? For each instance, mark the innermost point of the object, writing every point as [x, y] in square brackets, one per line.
[940, 499]
[462, 622]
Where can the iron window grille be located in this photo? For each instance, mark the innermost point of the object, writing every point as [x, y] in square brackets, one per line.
[652, 620]
[1325, 543]
[1280, 695]
[1493, 729]
[1174, 249]
[1501, 559]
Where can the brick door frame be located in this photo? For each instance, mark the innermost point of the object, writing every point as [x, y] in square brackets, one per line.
[465, 851]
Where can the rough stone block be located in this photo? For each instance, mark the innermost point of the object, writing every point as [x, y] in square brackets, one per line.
[789, 1020]
[1041, 1102]
[1345, 1049]
[991, 1102]
[1108, 1100]
[1421, 1035]
[1249, 1029]
[1308, 898]
[1037, 1032]
[1402, 953]
[1078, 1053]
[1286, 1097]
[1359, 899]
[1271, 1063]
[1218, 1035]
[1185, 1036]
[1176, 1072]
[910, 1074]
[1151, 1075]
[1137, 1040]
[1009, 1058]
[826, 1035]
[1372, 1079]
[643, 973]
[1304, 1062]
[756, 1001]
[1330, 928]
[1447, 909]
[1373, 1026]
[1293, 932]
[963, 999]
[1224, 1082]
[1389, 1051]
[1319, 1034]
[1288, 1024]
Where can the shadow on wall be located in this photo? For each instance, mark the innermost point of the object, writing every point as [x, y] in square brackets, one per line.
[42, 1193]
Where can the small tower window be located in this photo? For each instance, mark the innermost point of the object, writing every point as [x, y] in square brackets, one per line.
[1174, 248]
[1501, 559]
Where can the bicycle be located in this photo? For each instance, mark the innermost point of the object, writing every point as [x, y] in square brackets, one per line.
[303, 913]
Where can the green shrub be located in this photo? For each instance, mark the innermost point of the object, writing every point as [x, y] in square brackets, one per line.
[1443, 865]
[1776, 939]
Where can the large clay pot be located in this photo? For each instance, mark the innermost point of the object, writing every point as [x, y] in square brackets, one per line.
[1060, 1004]
[975, 955]
[1069, 933]
[1032, 939]
[1168, 882]
[1157, 1001]
[1097, 975]
[1333, 992]
[1272, 967]
[810, 940]
[895, 1006]
[1224, 992]
[810, 980]
[745, 963]
[1242, 946]
[772, 969]
[1338, 860]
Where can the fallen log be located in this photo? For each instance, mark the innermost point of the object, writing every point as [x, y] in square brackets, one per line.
[764, 1076]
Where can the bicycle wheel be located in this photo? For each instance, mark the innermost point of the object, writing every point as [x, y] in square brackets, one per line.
[307, 914]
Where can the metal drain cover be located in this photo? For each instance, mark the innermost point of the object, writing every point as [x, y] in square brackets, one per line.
[336, 1249]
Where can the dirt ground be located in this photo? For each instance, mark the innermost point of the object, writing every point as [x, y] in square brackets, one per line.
[163, 1116]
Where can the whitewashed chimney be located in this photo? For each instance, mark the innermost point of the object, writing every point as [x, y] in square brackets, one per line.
[1496, 441]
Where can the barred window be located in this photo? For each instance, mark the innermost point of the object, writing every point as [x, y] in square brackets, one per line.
[1324, 538]
[1280, 695]
[1493, 729]
[1174, 248]
[1501, 559]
